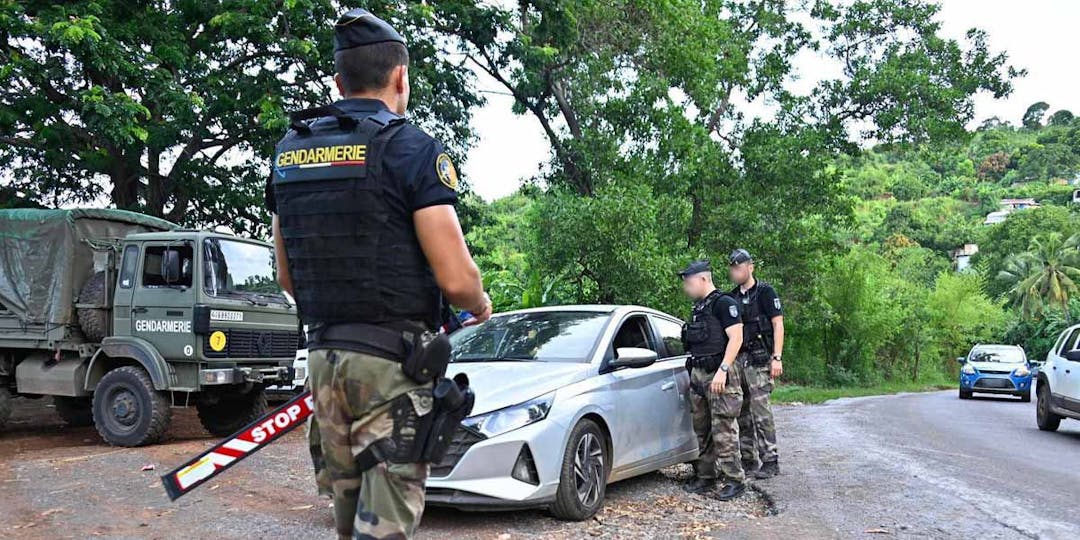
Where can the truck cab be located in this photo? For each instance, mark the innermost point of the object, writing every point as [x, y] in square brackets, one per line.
[129, 316]
[209, 304]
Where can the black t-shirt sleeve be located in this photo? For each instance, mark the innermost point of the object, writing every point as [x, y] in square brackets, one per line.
[725, 309]
[429, 174]
[769, 303]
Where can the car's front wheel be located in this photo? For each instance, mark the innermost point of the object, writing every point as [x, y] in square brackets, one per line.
[1025, 396]
[1044, 417]
[583, 479]
[965, 394]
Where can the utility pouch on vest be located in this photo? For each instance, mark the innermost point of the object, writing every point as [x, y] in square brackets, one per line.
[697, 332]
[453, 403]
[427, 358]
[759, 353]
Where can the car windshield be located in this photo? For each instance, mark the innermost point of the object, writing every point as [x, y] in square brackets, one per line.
[547, 336]
[1004, 355]
[241, 270]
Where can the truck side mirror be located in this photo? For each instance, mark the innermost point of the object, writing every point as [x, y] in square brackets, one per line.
[170, 266]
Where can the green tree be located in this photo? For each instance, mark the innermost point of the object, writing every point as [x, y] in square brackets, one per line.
[1046, 275]
[960, 314]
[171, 108]
[997, 243]
[1064, 117]
[1033, 116]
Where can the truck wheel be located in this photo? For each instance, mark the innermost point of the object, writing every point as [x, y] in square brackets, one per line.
[94, 322]
[231, 413]
[5, 406]
[127, 409]
[583, 478]
[74, 411]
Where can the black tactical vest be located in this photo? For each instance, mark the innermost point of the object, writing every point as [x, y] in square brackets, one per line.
[755, 324]
[350, 257]
[705, 333]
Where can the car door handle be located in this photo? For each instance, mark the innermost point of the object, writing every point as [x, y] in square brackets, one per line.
[667, 386]
[139, 310]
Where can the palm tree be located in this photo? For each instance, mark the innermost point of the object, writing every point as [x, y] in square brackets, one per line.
[1047, 274]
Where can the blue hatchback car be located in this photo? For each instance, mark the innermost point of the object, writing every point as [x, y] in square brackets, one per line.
[996, 369]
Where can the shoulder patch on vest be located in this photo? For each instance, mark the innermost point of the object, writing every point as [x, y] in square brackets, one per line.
[776, 302]
[733, 310]
[445, 169]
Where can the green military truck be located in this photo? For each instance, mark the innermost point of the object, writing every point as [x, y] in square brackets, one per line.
[120, 317]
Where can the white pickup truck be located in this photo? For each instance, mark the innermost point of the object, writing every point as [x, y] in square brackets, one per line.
[1058, 387]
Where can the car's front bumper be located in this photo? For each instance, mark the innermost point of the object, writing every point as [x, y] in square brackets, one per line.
[995, 383]
[476, 472]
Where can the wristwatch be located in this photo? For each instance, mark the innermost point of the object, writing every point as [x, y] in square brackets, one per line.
[724, 368]
[776, 357]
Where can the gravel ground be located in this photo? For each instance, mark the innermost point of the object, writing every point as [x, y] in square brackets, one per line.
[908, 466]
[59, 482]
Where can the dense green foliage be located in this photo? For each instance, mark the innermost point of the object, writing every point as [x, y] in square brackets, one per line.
[852, 193]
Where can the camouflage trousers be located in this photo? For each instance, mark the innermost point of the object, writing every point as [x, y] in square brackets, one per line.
[353, 393]
[715, 419]
[757, 430]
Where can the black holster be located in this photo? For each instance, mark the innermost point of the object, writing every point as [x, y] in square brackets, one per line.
[759, 350]
[428, 356]
[453, 403]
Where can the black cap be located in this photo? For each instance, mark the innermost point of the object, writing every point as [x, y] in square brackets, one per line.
[696, 267]
[359, 27]
[739, 256]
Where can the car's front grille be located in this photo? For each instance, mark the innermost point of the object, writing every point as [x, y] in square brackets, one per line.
[254, 344]
[994, 372]
[463, 439]
[993, 383]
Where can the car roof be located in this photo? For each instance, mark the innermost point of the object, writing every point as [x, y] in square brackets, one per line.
[611, 309]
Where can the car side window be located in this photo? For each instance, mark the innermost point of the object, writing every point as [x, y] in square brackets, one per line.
[633, 333]
[671, 333]
[1070, 342]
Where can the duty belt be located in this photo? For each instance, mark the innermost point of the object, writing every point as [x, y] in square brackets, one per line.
[708, 363]
[382, 341]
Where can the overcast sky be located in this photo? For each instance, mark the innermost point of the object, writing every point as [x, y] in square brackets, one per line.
[1037, 34]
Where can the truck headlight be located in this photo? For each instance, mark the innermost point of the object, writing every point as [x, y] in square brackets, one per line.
[968, 369]
[1021, 371]
[511, 418]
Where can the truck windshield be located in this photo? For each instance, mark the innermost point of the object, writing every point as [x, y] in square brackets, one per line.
[240, 270]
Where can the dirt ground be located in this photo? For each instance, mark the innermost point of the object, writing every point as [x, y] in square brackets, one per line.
[60, 482]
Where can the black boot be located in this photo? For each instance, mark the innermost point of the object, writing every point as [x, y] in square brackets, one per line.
[768, 469]
[732, 490]
[700, 485]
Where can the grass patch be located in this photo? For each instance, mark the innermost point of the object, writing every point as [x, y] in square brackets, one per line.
[791, 393]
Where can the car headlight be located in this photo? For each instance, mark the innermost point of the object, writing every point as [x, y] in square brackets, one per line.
[511, 418]
[968, 369]
[1021, 371]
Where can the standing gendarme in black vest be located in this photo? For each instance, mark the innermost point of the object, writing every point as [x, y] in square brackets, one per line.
[763, 343]
[368, 242]
[714, 336]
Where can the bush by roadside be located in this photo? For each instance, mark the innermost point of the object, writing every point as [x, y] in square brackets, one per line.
[797, 393]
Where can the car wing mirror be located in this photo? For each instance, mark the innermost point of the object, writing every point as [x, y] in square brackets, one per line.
[633, 357]
[961, 359]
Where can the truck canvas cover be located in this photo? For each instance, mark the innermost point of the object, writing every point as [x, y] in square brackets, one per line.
[46, 256]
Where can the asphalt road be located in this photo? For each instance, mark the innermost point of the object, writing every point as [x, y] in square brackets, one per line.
[928, 465]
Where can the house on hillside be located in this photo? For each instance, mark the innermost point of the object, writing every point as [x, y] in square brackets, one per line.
[961, 256]
[1009, 206]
